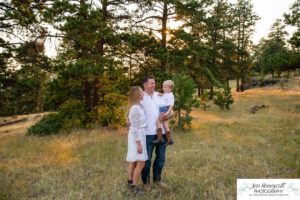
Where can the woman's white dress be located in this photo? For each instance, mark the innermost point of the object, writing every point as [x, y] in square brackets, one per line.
[138, 124]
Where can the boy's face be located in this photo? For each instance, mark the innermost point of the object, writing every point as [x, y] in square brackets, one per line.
[167, 88]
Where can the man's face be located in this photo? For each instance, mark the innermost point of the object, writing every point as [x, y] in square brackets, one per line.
[149, 86]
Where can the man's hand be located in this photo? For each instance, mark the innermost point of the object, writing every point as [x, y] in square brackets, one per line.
[163, 117]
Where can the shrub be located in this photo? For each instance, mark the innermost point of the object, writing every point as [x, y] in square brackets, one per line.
[223, 97]
[185, 100]
[112, 112]
[49, 124]
[72, 114]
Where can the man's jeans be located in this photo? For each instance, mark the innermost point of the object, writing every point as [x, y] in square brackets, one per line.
[160, 152]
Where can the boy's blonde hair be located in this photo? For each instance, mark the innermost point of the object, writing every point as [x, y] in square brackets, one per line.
[169, 82]
[134, 95]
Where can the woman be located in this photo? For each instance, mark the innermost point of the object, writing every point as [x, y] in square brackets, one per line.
[137, 152]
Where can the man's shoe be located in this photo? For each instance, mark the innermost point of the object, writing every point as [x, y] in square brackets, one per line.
[147, 187]
[162, 185]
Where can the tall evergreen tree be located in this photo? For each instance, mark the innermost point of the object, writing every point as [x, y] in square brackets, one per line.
[245, 19]
[88, 64]
[273, 54]
[293, 18]
[153, 18]
[22, 57]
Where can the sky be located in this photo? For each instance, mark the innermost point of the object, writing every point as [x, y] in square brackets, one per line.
[267, 10]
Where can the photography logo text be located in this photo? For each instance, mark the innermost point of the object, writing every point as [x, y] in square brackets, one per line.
[282, 189]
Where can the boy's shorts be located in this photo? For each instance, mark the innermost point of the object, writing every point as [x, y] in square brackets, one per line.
[163, 109]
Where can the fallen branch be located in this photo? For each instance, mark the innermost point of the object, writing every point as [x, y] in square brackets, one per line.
[13, 122]
[256, 108]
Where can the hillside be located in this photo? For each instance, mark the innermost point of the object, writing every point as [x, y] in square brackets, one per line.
[204, 163]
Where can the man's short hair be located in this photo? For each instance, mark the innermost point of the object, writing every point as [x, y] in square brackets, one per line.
[146, 78]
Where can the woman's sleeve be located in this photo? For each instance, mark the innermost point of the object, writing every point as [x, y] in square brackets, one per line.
[134, 119]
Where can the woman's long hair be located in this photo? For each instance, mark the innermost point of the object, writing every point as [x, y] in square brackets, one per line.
[134, 95]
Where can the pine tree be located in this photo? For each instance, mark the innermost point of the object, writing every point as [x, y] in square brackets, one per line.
[293, 18]
[153, 18]
[245, 20]
[89, 67]
[24, 67]
[185, 100]
[273, 54]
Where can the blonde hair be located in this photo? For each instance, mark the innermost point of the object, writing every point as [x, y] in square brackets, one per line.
[134, 95]
[169, 83]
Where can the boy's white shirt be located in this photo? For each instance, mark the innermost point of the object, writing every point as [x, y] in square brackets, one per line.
[167, 99]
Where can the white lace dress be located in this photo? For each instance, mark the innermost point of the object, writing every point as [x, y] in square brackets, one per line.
[138, 124]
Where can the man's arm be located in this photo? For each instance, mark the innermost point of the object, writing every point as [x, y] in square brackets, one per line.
[164, 116]
[169, 110]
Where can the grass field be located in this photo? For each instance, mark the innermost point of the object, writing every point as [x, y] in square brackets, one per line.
[203, 164]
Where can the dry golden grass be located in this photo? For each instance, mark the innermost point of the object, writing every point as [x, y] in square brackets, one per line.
[204, 163]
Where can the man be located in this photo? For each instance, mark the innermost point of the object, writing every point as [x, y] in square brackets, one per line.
[150, 106]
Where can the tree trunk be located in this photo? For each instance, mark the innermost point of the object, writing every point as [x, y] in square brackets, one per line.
[279, 74]
[164, 35]
[238, 84]
[242, 85]
[40, 100]
[95, 91]
[87, 94]
[179, 119]
[100, 48]
[211, 92]
[130, 69]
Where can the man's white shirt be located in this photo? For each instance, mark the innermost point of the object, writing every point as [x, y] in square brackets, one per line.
[151, 108]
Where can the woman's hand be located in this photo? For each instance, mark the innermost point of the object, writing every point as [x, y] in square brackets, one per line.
[139, 147]
[128, 122]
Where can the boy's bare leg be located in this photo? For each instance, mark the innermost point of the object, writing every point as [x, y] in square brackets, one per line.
[166, 125]
[158, 123]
